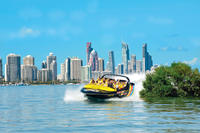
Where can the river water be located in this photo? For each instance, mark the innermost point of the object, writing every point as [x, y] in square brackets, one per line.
[62, 108]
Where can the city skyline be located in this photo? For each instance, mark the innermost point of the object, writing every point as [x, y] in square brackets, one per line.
[73, 68]
[64, 29]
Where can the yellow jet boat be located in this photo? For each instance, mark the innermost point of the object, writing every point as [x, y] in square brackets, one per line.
[109, 86]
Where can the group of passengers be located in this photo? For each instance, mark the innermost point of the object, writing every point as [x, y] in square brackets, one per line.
[109, 83]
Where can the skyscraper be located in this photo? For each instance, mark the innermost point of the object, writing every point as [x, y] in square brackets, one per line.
[1, 73]
[125, 57]
[101, 64]
[86, 73]
[93, 62]
[44, 64]
[28, 60]
[75, 71]
[129, 67]
[138, 66]
[44, 75]
[28, 73]
[12, 68]
[53, 68]
[133, 63]
[62, 71]
[120, 69]
[28, 70]
[111, 62]
[67, 69]
[88, 51]
[147, 59]
[52, 65]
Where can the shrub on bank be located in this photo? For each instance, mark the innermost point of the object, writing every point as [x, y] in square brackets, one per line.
[177, 80]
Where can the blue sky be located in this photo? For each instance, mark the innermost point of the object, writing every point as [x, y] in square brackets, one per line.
[36, 27]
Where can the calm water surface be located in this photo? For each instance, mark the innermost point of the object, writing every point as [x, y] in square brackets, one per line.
[43, 109]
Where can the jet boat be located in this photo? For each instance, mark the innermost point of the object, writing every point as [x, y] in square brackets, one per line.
[109, 86]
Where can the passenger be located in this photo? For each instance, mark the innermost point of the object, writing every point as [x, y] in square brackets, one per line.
[120, 85]
[92, 81]
[117, 84]
[110, 84]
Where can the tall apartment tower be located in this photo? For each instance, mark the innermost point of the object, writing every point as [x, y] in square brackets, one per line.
[28, 70]
[111, 62]
[1, 68]
[138, 66]
[147, 59]
[12, 68]
[52, 65]
[28, 60]
[93, 62]
[133, 63]
[53, 68]
[86, 73]
[44, 75]
[125, 57]
[62, 71]
[75, 71]
[88, 51]
[120, 69]
[44, 65]
[101, 64]
[67, 69]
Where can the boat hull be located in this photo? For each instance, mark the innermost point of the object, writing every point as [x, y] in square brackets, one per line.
[89, 93]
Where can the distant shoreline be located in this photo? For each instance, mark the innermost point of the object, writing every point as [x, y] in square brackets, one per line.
[42, 83]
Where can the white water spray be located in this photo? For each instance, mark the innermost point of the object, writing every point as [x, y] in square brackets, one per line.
[73, 93]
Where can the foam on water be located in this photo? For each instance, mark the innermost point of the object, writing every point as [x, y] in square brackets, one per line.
[74, 94]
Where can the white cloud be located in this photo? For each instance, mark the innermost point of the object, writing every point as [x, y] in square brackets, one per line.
[157, 20]
[24, 32]
[191, 62]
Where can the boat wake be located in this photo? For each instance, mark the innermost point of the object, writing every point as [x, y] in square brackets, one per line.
[73, 93]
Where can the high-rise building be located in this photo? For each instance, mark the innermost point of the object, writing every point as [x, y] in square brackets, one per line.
[44, 75]
[125, 57]
[147, 59]
[101, 64]
[28, 73]
[28, 60]
[75, 71]
[107, 66]
[129, 67]
[96, 74]
[28, 70]
[12, 68]
[138, 66]
[111, 62]
[44, 64]
[52, 65]
[1, 73]
[93, 62]
[67, 69]
[86, 73]
[53, 68]
[120, 69]
[62, 71]
[88, 51]
[133, 63]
